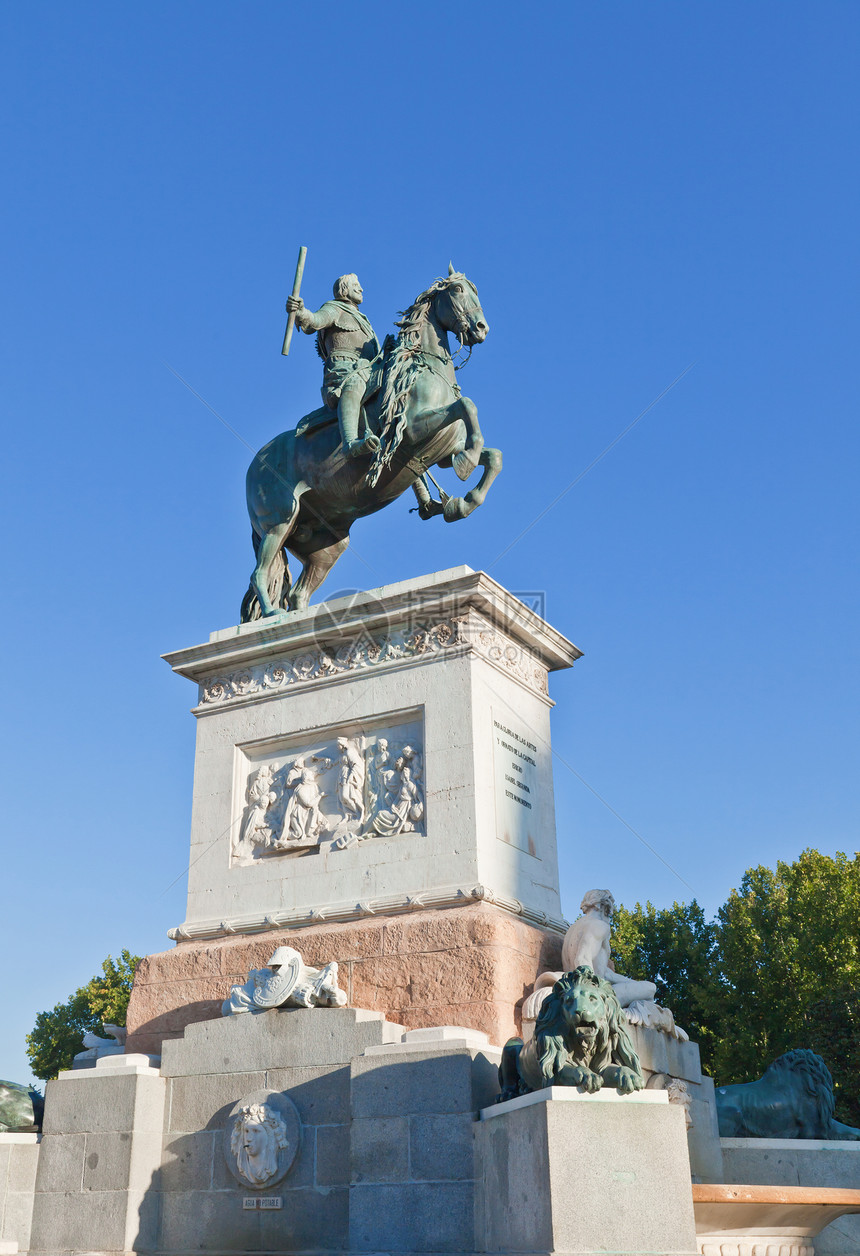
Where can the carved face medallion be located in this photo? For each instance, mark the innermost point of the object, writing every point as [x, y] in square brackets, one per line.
[262, 1139]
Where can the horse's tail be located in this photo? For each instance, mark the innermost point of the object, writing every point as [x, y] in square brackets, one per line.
[279, 586]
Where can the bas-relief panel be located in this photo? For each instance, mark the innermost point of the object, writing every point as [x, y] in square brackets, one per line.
[344, 787]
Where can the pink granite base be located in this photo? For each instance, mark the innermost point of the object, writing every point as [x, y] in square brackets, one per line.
[469, 966]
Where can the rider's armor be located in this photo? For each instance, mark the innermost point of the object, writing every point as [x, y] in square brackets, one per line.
[347, 346]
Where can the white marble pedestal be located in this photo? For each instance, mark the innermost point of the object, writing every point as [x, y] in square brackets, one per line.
[447, 673]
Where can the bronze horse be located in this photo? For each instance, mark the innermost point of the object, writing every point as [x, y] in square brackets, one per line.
[304, 494]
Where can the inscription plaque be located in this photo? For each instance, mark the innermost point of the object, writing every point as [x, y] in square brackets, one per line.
[516, 777]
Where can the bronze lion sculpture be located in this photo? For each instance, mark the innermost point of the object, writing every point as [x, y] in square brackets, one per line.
[21, 1108]
[580, 1039]
[793, 1099]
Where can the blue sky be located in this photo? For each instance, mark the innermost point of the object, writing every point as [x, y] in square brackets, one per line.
[634, 189]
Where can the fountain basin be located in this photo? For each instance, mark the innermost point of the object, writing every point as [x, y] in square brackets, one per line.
[734, 1220]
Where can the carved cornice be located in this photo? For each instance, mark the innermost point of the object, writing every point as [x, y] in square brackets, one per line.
[392, 905]
[460, 634]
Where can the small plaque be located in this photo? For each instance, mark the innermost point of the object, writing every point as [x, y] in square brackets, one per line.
[249, 1203]
[271, 1201]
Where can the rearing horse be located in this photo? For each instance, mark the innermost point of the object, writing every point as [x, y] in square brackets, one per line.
[304, 494]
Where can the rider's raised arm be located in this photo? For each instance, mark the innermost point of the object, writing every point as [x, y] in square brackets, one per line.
[307, 320]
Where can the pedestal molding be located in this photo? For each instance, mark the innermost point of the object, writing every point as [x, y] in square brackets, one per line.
[421, 601]
[391, 905]
[402, 645]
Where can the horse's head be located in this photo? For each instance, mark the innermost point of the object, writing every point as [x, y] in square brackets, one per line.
[458, 308]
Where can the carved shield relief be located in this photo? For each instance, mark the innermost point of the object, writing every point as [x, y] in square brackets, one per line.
[279, 986]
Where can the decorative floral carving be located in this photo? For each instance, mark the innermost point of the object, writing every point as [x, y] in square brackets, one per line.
[367, 651]
[513, 658]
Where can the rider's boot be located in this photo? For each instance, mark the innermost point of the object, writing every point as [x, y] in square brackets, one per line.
[427, 507]
[349, 411]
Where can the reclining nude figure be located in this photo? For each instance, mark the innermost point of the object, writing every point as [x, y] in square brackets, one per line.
[587, 942]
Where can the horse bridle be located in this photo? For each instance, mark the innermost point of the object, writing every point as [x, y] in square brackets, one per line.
[462, 329]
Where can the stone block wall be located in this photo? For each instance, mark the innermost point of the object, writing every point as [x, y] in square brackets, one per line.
[305, 1054]
[133, 1159]
[19, 1157]
[100, 1149]
[663, 1054]
[412, 1147]
[386, 1140]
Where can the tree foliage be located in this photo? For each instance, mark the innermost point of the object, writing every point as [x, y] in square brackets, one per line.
[834, 1032]
[675, 948]
[58, 1035]
[778, 968]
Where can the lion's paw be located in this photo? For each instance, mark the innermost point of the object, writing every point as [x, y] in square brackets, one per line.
[628, 1081]
[579, 1075]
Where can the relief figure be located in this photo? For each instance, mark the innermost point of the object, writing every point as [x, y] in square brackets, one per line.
[407, 809]
[350, 783]
[258, 1135]
[379, 775]
[261, 796]
[303, 819]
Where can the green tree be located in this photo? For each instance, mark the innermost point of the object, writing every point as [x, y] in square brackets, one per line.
[674, 947]
[779, 968]
[787, 939]
[58, 1035]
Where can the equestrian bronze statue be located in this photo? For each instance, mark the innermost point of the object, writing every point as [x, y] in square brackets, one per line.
[389, 416]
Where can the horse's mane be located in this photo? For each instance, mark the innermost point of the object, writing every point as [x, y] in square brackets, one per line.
[413, 319]
[553, 1034]
[400, 368]
[551, 1030]
[814, 1075]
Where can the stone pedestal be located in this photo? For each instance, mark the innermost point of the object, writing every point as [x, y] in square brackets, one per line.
[373, 761]
[19, 1156]
[99, 1159]
[564, 1172]
[468, 965]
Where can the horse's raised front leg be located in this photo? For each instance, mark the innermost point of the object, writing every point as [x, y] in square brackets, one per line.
[461, 507]
[466, 457]
[319, 553]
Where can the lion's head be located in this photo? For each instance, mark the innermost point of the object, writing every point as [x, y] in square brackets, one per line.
[582, 1022]
[809, 1073]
